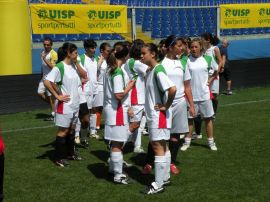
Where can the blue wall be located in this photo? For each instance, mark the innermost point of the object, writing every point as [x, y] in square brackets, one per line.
[238, 50]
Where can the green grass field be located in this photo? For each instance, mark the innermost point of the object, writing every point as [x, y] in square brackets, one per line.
[238, 171]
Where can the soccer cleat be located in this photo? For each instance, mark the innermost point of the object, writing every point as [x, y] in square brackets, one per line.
[184, 147]
[50, 118]
[167, 182]
[138, 150]
[98, 127]
[213, 146]
[123, 179]
[126, 164]
[182, 136]
[196, 136]
[229, 92]
[62, 163]
[85, 144]
[77, 140]
[153, 189]
[147, 169]
[75, 157]
[174, 169]
[144, 132]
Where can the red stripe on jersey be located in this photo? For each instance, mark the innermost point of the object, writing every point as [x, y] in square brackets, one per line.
[119, 115]
[134, 97]
[216, 78]
[83, 86]
[162, 122]
[211, 94]
[60, 107]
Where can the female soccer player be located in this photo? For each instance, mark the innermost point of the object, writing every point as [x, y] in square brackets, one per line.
[160, 92]
[136, 70]
[199, 65]
[68, 101]
[116, 111]
[179, 74]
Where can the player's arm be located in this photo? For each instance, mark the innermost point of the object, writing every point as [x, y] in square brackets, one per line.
[219, 59]
[188, 93]
[120, 96]
[82, 73]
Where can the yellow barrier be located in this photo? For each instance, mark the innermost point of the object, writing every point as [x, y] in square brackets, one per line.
[15, 38]
[75, 19]
[244, 15]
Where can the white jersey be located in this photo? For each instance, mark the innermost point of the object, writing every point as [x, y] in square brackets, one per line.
[69, 85]
[115, 111]
[52, 58]
[157, 83]
[101, 72]
[126, 80]
[178, 74]
[136, 70]
[199, 68]
[90, 66]
[211, 52]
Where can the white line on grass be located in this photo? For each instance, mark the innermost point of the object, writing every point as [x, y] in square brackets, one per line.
[25, 129]
[50, 126]
[242, 103]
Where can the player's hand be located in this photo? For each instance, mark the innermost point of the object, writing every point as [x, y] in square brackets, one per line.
[131, 83]
[192, 111]
[42, 55]
[160, 107]
[63, 98]
[130, 113]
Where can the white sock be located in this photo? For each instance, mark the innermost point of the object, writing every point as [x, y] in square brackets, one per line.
[117, 164]
[77, 128]
[187, 140]
[53, 114]
[160, 165]
[138, 138]
[93, 122]
[210, 140]
[143, 123]
[168, 164]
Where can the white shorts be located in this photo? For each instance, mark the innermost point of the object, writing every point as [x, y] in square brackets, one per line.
[156, 134]
[138, 113]
[116, 133]
[89, 101]
[214, 87]
[43, 89]
[180, 118]
[204, 108]
[98, 99]
[66, 120]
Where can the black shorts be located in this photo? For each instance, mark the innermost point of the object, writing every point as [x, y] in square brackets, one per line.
[83, 110]
[226, 74]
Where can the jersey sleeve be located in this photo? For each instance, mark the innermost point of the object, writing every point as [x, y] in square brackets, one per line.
[140, 68]
[54, 57]
[54, 75]
[187, 75]
[214, 65]
[118, 84]
[163, 81]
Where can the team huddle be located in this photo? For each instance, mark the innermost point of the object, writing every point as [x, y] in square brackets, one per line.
[169, 87]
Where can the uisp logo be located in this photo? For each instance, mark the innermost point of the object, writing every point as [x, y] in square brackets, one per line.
[264, 11]
[237, 12]
[55, 14]
[103, 15]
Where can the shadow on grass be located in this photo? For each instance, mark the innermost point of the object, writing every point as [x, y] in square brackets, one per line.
[42, 116]
[138, 159]
[101, 154]
[100, 171]
[199, 145]
[51, 144]
[50, 154]
[136, 174]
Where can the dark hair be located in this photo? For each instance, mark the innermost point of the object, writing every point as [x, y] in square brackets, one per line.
[171, 40]
[103, 46]
[138, 42]
[64, 50]
[127, 44]
[135, 51]
[152, 48]
[214, 40]
[48, 39]
[119, 52]
[89, 43]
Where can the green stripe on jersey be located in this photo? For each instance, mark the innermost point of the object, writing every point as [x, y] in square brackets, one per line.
[183, 61]
[118, 71]
[131, 64]
[82, 57]
[159, 68]
[61, 68]
[208, 59]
